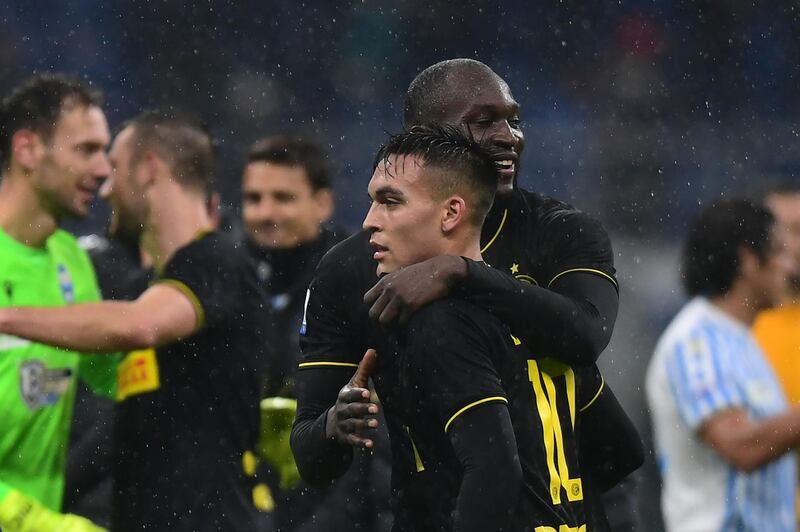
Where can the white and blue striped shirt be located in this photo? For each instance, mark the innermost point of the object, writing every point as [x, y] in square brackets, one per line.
[704, 363]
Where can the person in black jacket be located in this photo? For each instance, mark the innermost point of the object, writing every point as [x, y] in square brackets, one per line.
[287, 202]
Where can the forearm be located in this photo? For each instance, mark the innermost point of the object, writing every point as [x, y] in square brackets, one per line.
[97, 327]
[320, 459]
[571, 321]
[484, 442]
[749, 444]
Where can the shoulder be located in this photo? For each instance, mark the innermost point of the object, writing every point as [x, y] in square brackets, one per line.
[560, 216]
[349, 260]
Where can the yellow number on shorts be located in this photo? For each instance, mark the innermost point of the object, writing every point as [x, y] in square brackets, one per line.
[546, 403]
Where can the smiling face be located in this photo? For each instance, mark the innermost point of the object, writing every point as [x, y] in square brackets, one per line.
[74, 162]
[405, 218]
[480, 101]
[280, 208]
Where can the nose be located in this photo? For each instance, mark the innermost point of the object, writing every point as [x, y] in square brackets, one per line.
[103, 166]
[371, 222]
[503, 135]
[107, 187]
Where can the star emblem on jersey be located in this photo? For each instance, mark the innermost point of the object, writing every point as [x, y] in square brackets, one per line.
[515, 268]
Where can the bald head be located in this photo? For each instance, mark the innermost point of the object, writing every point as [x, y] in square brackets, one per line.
[469, 95]
[445, 85]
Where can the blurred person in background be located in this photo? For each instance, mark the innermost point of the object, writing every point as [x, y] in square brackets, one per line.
[552, 280]
[723, 429]
[53, 141]
[287, 202]
[188, 391]
[124, 271]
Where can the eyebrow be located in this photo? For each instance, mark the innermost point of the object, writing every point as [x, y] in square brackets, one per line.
[514, 107]
[387, 190]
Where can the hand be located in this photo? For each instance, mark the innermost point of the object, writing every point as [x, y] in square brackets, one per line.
[396, 296]
[353, 412]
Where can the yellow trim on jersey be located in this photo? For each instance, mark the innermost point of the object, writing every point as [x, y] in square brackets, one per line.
[569, 377]
[185, 290]
[334, 364]
[546, 414]
[599, 391]
[586, 270]
[497, 233]
[417, 458]
[471, 405]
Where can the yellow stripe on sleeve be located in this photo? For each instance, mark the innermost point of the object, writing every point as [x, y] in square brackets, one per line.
[185, 290]
[472, 405]
[599, 391]
[585, 270]
[328, 364]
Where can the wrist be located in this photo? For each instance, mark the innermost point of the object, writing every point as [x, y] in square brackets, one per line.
[330, 424]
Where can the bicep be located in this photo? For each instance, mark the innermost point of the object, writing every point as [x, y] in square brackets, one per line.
[165, 313]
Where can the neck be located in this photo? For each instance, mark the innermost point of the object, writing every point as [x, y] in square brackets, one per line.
[175, 218]
[22, 215]
[467, 245]
[738, 305]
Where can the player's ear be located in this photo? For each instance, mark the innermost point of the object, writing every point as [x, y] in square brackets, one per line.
[749, 263]
[27, 148]
[454, 213]
[153, 167]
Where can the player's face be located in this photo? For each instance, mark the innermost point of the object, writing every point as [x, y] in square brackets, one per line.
[483, 105]
[786, 208]
[279, 206]
[123, 189]
[405, 218]
[74, 162]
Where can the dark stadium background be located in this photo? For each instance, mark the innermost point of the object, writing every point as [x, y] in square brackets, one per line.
[634, 111]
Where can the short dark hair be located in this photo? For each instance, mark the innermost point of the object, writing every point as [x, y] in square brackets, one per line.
[182, 141]
[711, 252]
[462, 161]
[428, 92]
[36, 105]
[293, 151]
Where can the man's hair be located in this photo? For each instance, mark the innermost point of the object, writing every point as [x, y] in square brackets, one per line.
[711, 253]
[181, 141]
[292, 151]
[460, 161]
[37, 104]
[429, 91]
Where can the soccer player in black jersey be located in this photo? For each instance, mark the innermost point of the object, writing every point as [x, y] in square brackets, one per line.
[483, 432]
[552, 283]
[188, 391]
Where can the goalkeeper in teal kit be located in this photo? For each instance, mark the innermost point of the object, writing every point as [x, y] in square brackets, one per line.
[53, 137]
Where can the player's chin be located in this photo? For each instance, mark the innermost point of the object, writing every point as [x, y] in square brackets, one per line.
[505, 182]
[385, 267]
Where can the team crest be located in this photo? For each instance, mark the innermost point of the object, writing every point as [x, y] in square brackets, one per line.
[521, 276]
[40, 386]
